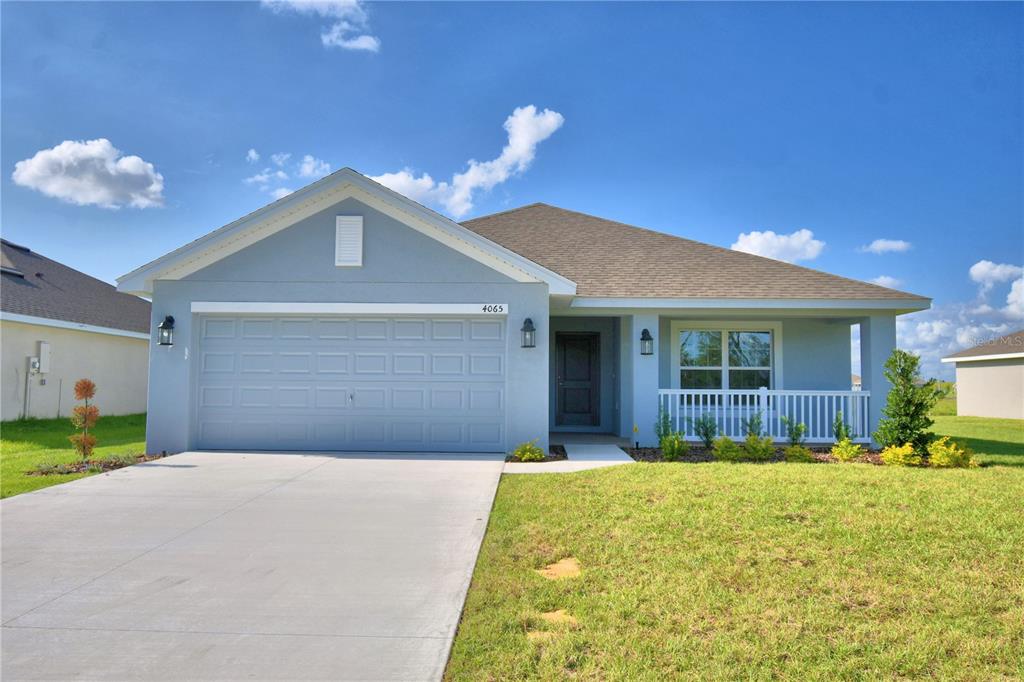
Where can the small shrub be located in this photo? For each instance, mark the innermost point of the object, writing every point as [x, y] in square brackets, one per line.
[798, 454]
[706, 428]
[846, 450]
[795, 431]
[725, 449]
[944, 453]
[758, 449]
[528, 452]
[753, 426]
[663, 427]
[900, 455]
[673, 447]
[840, 429]
[905, 415]
[84, 417]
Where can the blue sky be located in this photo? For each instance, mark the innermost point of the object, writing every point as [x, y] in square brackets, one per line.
[854, 122]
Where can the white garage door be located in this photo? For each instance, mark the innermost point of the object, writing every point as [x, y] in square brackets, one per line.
[345, 383]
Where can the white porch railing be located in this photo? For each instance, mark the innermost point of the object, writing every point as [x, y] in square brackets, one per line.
[732, 410]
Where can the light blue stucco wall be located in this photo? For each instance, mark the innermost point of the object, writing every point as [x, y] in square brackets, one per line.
[297, 265]
[607, 328]
[815, 353]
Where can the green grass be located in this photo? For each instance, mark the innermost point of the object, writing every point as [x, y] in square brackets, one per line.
[747, 571]
[996, 441]
[945, 407]
[24, 445]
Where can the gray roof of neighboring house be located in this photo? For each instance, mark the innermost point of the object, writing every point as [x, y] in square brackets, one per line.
[31, 284]
[1004, 345]
[610, 259]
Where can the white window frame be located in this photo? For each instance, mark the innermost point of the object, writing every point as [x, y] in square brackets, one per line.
[725, 326]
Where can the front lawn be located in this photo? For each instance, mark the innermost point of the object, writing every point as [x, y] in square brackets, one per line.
[756, 571]
[997, 441]
[25, 445]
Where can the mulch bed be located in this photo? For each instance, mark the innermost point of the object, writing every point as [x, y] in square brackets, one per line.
[698, 453]
[555, 453]
[92, 465]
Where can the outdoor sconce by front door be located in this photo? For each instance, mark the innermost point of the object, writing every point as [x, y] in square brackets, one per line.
[646, 343]
[165, 332]
[529, 334]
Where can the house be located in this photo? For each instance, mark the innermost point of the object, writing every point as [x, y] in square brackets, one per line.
[58, 325]
[990, 378]
[348, 317]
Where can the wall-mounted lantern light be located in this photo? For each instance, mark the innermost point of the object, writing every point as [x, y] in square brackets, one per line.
[646, 343]
[529, 334]
[165, 332]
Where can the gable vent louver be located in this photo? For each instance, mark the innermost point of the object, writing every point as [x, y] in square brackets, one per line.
[348, 241]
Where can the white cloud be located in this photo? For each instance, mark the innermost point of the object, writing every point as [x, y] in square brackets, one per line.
[526, 129]
[886, 281]
[886, 246]
[252, 156]
[311, 167]
[265, 177]
[348, 27]
[280, 192]
[91, 172]
[797, 246]
[987, 274]
[281, 158]
[1015, 300]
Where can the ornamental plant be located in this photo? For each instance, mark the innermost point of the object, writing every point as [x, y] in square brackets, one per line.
[663, 427]
[846, 450]
[900, 455]
[795, 431]
[725, 449]
[905, 415]
[840, 429]
[84, 417]
[706, 428]
[798, 454]
[754, 425]
[673, 447]
[758, 449]
[528, 452]
[946, 453]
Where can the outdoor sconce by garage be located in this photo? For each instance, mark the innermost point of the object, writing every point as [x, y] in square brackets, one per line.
[165, 332]
[529, 334]
[646, 343]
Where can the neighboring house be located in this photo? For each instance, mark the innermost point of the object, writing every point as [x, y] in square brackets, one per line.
[348, 317]
[58, 325]
[990, 378]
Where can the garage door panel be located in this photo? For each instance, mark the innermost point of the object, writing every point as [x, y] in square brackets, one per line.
[323, 383]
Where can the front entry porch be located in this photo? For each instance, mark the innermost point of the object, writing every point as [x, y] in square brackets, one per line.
[612, 374]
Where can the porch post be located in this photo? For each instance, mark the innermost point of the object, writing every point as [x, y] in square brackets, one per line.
[877, 341]
[645, 380]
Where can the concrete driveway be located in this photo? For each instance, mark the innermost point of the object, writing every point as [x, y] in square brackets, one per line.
[244, 566]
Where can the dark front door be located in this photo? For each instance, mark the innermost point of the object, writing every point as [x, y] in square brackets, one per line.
[578, 376]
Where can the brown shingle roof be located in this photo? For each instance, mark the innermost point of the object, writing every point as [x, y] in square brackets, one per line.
[1004, 345]
[34, 285]
[610, 259]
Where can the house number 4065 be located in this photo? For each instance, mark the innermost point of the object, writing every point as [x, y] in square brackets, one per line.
[493, 308]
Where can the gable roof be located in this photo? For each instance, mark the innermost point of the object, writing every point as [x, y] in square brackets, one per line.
[319, 196]
[1005, 347]
[613, 260]
[35, 286]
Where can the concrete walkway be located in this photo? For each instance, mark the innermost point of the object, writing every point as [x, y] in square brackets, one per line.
[215, 566]
[581, 457]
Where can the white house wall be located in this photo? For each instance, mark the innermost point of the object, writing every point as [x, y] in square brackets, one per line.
[117, 364]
